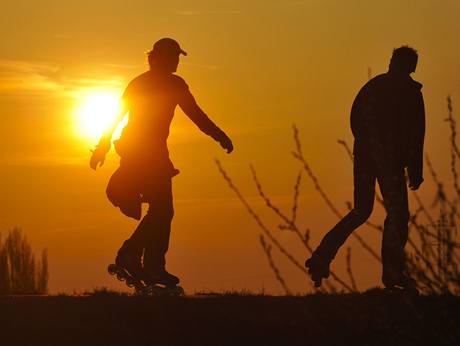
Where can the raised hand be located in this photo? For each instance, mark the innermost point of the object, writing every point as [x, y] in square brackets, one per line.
[414, 184]
[98, 156]
[226, 143]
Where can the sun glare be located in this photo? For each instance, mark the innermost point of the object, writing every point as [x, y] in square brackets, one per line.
[96, 111]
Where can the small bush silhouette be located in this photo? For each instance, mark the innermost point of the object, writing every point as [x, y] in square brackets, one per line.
[20, 273]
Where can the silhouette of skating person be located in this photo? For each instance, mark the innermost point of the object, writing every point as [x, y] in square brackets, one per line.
[146, 171]
[388, 124]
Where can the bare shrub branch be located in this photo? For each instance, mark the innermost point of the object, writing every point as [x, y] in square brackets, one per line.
[268, 252]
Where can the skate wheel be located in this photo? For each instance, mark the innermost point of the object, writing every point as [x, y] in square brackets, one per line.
[175, 291]
[130, 283]
[155, 291]
[142, 291]
[178, 291]
[112, 269]
[120, 277]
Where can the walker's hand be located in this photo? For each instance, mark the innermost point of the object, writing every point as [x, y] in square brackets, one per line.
[227, 144]
[414, 184]
[98, 156]
[96, 159]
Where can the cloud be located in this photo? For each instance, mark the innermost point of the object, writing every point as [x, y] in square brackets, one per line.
[43, 160]
[123, 66]
[19, 78]
[27, 77]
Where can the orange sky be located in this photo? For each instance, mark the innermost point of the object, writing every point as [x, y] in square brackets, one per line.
[256, 67]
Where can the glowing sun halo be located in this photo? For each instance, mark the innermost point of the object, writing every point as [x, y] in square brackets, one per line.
[96, 111]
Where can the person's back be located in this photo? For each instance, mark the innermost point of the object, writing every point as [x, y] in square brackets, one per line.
[386, 113]
[152, 98]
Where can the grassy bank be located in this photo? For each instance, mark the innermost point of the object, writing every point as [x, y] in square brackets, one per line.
[372, 318]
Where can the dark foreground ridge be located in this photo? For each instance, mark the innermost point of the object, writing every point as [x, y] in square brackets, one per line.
[372, 318]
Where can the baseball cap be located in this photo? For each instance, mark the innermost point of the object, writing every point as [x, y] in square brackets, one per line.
[167, 45]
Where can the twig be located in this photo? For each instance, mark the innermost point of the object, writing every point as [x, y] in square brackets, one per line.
[349, 271]
[268, 252]
[258, 220]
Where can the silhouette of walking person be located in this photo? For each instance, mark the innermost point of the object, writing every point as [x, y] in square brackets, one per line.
[146, 171]
[388, 124]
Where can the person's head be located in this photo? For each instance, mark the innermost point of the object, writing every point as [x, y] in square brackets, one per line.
[404, 60]
[164, 56]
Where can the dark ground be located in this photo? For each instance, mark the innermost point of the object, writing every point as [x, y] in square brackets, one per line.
[372, 318]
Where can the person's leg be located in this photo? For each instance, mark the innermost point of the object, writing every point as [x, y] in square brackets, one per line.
[158, 219]
[151, 237]
[394, 192]
[133, 247]
[129, 257]
[364, 192]
[123, 190]
[139, 237]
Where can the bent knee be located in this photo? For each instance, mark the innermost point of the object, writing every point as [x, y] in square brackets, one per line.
[361, 214]
[398, 217]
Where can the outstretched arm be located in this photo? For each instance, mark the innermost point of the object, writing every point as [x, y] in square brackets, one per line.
[103, 147]
[195, 113]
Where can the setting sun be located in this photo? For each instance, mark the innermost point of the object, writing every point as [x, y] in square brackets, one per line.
[96, 111]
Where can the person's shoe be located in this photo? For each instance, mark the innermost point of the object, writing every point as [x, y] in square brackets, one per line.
[131, 262]
[318, 268]
[161, 276]
[398, 281]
